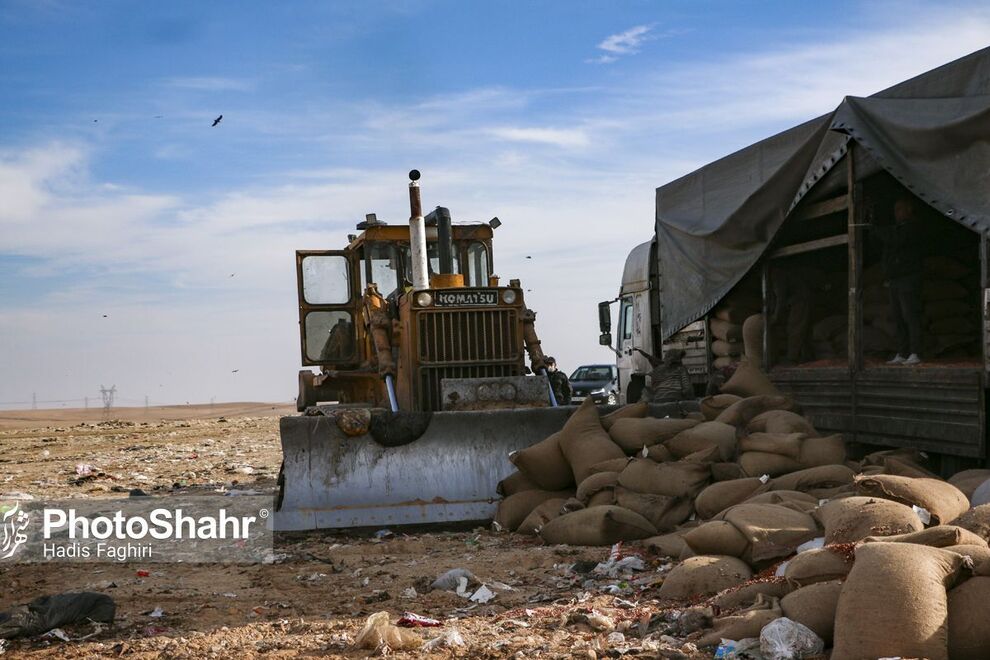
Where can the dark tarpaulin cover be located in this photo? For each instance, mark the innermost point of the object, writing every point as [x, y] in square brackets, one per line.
[931, 132]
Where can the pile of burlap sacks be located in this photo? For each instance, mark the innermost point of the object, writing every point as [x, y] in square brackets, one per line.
[893, 561]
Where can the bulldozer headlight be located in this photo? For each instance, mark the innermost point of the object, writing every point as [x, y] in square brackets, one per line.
[508, 296]
[424, 299]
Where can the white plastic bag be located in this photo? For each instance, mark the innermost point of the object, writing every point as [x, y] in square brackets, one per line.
[784, 639]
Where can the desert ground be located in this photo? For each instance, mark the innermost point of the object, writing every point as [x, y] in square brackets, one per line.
[314, 600]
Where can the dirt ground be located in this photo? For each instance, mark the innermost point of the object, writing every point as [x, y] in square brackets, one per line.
[314, 600]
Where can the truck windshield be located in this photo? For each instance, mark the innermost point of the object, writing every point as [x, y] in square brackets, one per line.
[384, 267]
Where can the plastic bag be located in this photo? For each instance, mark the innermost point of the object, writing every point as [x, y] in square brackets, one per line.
[450, 638]
[450, 580]
[784, 639]
[378, 633]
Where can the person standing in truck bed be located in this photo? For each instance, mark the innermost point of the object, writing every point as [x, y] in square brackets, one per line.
[793, 291]
[903, 259]
[669, 379]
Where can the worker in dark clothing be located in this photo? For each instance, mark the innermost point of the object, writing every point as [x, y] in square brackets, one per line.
[669, 380]
[903, 258]
[559, 382]
[793, 290]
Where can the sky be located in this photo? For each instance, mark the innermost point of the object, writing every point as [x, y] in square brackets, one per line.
[142, 247]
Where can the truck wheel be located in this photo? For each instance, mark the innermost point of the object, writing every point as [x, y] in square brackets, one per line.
[307, 391]
[612, 399]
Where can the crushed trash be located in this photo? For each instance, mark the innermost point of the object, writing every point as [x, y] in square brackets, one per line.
[379, 634]
[482, 595]
[412, 620]
[50, 612]
[450, 638]
[784, 639]
[156, 613]
[451, 580]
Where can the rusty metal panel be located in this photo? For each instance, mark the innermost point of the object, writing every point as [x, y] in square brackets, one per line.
[937, 410]
[825, 395]
[468, 336]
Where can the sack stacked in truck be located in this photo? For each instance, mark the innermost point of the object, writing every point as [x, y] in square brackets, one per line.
[951, 313]
[827, 334]
[726, 324]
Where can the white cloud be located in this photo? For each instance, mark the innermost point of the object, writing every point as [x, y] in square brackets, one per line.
[628, 42]
[557, 137]
[211, 84]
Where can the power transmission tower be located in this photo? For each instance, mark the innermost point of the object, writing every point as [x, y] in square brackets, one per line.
[107, 395]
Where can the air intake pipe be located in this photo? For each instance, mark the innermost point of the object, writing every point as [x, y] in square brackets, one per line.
[417, 236]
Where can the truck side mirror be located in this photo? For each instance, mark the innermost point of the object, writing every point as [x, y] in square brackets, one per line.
[605, 339]
[605, 320]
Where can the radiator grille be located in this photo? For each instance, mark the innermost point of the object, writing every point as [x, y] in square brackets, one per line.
[460, 337]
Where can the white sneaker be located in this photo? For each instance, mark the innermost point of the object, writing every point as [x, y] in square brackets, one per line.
[912, 359]
[897, 359]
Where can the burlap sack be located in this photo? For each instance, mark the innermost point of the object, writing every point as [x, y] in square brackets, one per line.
[720, 496]
[784, 444]
[683, 478]
[712, 406]
[584, 442]
[734, 313]
[696, 415]
[544, 464]
[852, 519]
[879, 457]
[595, 483]
[969, 634]
[753, 328]
[746, 595]
[956, 325]
[791, 499]
[830, 450]
[657, 453]
[980, 554]
[781, 421]
[932, 290]
[612, 465]
[724, 330]
[824, 476]
[723, 348]
[749, 381]
[716, 537]
[770, 530]
[941, 536]
[727, 472]
[541, 515]
[819, 565]
[703, 576]
[515, 483]
[702, 437]
[664, 513]
[894, 603]
[634, 434]
[944, 501]
[600, 525]
[976, 520]
[943, 309]
[514, 509]
[633, 410]
[758, 463]
[745, 624]
[667, 545]
[740, 413]
[968, 481]
[814, 606]
[945, 268]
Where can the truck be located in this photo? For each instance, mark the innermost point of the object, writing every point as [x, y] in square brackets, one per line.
[809, 205]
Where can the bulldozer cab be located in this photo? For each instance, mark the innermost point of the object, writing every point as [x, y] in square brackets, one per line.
[331, 285]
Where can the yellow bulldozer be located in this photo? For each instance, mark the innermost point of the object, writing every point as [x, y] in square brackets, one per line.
[423, 387]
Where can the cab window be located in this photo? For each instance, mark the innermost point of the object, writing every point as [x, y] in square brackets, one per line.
[384, 264]
[329, 336]
[326, 280]
[627, 319]
[477, 264]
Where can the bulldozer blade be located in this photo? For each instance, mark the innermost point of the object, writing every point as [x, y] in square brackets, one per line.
[448, 474]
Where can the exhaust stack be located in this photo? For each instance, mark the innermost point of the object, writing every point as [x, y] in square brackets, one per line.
[417, 235]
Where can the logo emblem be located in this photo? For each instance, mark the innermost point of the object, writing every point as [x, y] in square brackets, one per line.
[13, 522]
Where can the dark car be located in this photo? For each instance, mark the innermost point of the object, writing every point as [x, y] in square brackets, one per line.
[599, 381]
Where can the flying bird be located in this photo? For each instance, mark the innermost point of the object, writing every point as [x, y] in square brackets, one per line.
[528, 257]
[232, 274]
[234, 371]
[104, 316]
[217, 120]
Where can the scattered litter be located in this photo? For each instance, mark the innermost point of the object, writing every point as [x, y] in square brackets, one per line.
[616, 638]
[157, 613]
[450, 638]
[614, 569]
[58, 633]
[383, 533]
[50, 612]
[765, 478]
[84, 469]
[784, 639]
[781, 569]
[413, 620]
[924, 514]
[378, 633]
[451, 580]
[596, 621]
[482, 595]
[409, 592]
[229, 595]
[143, 573]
